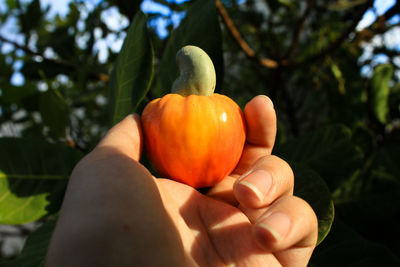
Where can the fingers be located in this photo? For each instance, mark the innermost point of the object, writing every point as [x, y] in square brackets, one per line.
[269, 179]
[288, 223]
[261, 122]
[124, 138]
[261, 131]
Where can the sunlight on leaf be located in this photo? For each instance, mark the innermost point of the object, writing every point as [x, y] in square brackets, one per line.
[133, 72]
[33, 177]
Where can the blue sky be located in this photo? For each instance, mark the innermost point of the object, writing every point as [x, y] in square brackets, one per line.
[115, 21]
[380, 7]
[61, 7]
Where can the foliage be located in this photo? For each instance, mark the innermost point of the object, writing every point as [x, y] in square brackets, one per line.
[338, 124]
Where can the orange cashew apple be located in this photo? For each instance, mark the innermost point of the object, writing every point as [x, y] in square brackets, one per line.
[193, 135]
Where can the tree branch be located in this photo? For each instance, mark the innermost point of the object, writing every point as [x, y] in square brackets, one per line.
[20, 47]
[250, 53]
[395, 9]
[380, 22]
[339, 41]
[299, 29]
[101, 76]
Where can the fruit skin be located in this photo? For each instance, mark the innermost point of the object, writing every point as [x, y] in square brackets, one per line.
[196, 139]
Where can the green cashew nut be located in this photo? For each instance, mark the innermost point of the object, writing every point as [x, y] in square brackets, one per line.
[197, 73]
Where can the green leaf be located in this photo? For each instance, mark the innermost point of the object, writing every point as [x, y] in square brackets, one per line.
[339, 78]
[6, 70]
[35, 249]
[133, 72]
[15, 94]
[328, 151]
[342, 5]
[286, 2]
[313, 189]
[54, 111]
[61, 40]
[33, 70]
[373, 210]
[32, 17]
[11, 4]
[380, 91]
[127, 7]
[394, 101]
[385, 169]
[33, 177]
[345, 247]
[200, 27]
[364, 138]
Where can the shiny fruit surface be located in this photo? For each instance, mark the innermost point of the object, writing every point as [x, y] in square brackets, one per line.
[195, 139]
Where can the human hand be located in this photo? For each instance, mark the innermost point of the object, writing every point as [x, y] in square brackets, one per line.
[115, 213]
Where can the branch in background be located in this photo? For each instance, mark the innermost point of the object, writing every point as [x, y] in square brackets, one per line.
[18, 46]
[299, 29]
[101, 76]
[250, 53]
[394, 10]
[338, 42]
[380, 22]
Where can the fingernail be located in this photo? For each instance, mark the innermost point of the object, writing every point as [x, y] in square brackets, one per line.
[277, 224]
[258, 181]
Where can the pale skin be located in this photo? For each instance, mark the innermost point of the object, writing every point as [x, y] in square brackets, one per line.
[115, 213]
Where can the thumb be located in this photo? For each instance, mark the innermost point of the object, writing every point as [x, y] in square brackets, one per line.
[124, 138]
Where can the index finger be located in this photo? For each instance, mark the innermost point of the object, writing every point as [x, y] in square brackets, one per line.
[124, 138]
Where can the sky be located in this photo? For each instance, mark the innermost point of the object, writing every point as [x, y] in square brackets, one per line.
[380, 6]
[113, 19]
[61, 7]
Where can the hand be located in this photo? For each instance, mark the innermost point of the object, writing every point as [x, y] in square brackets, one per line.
[116, 214]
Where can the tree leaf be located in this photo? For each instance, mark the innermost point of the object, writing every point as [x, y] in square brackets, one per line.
[33, 70]
[380, 91]
[313, 189]
[345, 247]
[127, 7]
[33, 177]
[6, 71]
[328, 151]
[200, 27]
[374, 210]
[35, 249]
[61, 40]
[133, 71]
[54, 111]
[11, 4]
[15, 94]
[339, 78]
[32, 17]
[385, 170]
[287, 3]
[342, 5]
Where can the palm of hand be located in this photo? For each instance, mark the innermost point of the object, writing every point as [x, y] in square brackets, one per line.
[214, 233]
